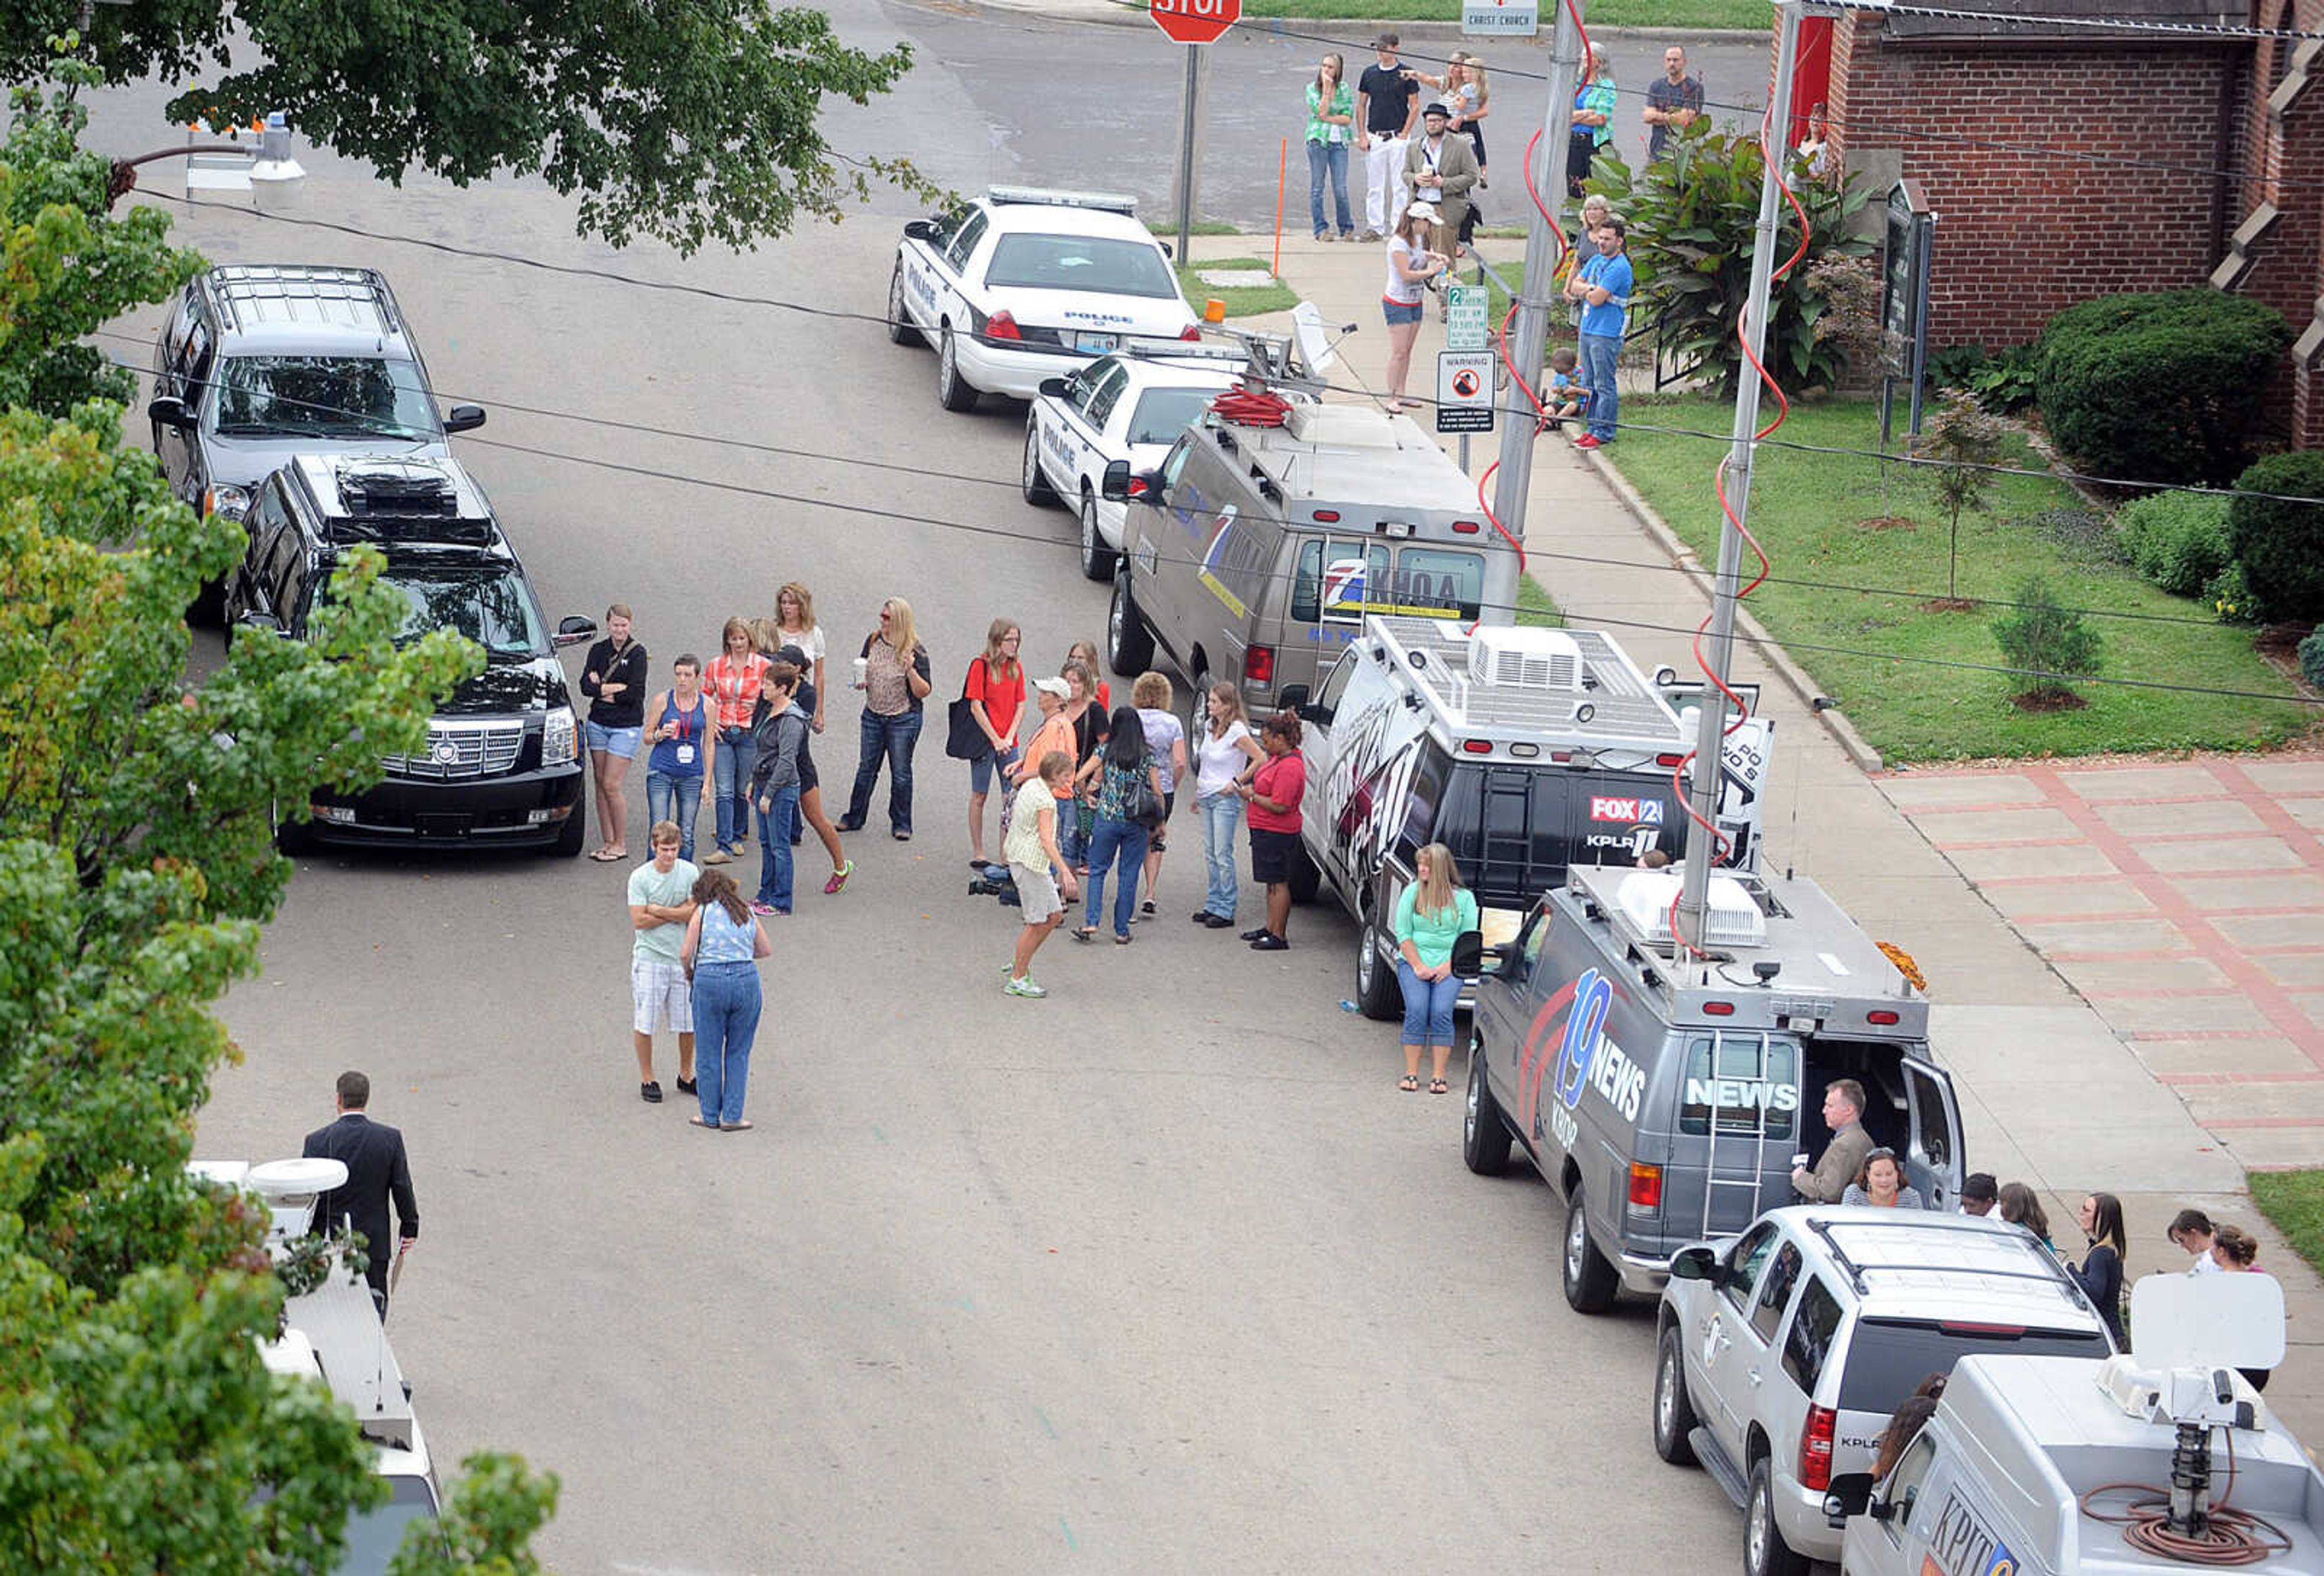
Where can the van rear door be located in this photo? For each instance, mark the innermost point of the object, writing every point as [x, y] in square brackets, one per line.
[1933, 1162]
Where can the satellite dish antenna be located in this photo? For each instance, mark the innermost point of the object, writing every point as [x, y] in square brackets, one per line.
[280, 1181]
[1313, 339]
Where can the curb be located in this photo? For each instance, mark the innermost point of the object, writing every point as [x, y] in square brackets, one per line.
[1796, 677]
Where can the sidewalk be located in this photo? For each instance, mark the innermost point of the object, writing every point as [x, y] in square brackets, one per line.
[2049, 1092]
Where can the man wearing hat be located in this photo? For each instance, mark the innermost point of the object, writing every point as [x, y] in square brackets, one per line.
[1386, 96]
[1439, 171]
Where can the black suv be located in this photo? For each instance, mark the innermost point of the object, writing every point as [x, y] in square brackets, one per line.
[502, 761]
[260, 362]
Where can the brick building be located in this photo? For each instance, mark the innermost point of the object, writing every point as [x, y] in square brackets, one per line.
[2193, 159]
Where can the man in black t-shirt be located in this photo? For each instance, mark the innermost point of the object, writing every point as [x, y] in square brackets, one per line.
[1387, 98]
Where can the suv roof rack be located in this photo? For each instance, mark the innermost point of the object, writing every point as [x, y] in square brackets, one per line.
[378, 498]
[244, 289]
[2053, 1275]
[1108, 202]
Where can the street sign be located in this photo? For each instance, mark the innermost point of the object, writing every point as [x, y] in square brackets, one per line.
[1196, 22]
[1464, 390]
[1500, 18]
[1465, 306]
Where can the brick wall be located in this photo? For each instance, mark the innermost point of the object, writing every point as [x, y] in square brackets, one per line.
[2020, 235]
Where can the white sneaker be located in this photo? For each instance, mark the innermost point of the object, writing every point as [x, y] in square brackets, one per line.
[1024, 987]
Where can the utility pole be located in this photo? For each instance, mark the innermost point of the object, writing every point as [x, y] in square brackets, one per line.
[1710, 765]
[1529, 333]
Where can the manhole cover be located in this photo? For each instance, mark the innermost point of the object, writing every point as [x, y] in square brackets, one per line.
[1235, 278]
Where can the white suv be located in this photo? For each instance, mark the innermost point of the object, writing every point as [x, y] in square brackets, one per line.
[1781, 1353]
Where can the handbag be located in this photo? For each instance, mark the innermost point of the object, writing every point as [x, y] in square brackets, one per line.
[964, 739]
[1146, 808]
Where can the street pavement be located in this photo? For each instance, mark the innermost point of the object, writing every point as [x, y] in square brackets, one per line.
[1160, 1273]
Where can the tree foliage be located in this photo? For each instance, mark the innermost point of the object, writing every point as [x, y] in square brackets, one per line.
[68, 267]
[684, 120]
[138, 1429]
[2049, 644]
[1693, 215]
[1959, 447]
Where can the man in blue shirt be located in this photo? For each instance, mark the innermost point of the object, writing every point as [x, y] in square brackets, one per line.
[1602, 285]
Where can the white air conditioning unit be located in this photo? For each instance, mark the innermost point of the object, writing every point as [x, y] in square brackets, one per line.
[1734, 919]
[1526, 658]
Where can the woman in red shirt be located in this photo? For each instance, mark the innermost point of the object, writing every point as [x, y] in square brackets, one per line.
[995, 692]
[731, 682]
[1273, 792]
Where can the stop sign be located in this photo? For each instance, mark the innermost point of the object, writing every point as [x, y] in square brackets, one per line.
[1196, 22]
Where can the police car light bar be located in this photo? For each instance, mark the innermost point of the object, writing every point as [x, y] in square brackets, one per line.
[1108, 202]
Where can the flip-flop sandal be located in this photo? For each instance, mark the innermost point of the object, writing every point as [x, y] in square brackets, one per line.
[1085, 932]
[1438, 1086]
[706, 1127]
[606, 856]
[738, 1127]
[1409, 1084]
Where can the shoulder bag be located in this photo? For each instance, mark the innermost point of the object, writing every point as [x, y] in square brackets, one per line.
[964, 739]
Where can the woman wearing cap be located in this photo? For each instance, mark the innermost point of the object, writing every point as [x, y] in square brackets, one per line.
[1410, 266]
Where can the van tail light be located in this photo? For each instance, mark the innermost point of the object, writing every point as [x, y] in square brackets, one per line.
[1646, 1185]
[1668, 761]
[1258, 664]
[1815, 1448]
[1718, 1009]
[1477, 746]
[1882, 1017]
[1466, 528]
[1003, 326]
[1328, 516]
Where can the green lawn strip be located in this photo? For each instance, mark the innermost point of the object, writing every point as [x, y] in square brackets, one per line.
[1241, 302]
[2294, 1201]
[1806, 509]
[1755, 14]
[1535, 606]
[1168, 228]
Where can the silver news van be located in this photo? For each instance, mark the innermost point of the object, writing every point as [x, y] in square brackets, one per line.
[1668, 1101]
[1254, 553]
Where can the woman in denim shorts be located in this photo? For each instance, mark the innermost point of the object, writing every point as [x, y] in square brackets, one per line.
[613, 677]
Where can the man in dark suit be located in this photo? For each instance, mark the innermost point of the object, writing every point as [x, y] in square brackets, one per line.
[376, 1173]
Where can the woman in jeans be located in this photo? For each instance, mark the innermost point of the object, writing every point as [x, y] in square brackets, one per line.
[1087, 720]
[732, 681]
[995, 692]
[1434, 911]
[778, 728]
[613, 677]
[1109, 787]
[894, 680]
[721, 951]
[678, 772]
[795, 625]
[1225, 754]
[1166, 743]
[1331, 120]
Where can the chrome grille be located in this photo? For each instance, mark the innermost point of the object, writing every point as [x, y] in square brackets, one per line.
[458, 750]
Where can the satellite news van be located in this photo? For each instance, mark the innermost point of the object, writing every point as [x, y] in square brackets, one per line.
[2161, 1458]
[1526, 751]
[1667, 1100]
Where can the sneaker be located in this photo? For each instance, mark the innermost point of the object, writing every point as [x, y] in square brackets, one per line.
[1024, 987]
[1587, 440]
[650, 1092]
[1323, 234]
[686, 1086]
[1202, 916]
[838, 880]
[1369, 236]
[1252, 935]
[1218, 922]
[1270, 942]
[719, 856]
[763, 909]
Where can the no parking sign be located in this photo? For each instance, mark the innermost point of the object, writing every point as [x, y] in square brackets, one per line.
[1464, 390]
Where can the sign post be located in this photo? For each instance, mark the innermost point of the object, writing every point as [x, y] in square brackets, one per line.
[1465, 329]
[1191, 23]
[1909, 241]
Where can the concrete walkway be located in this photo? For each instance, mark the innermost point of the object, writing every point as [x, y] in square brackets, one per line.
[2051, 1091]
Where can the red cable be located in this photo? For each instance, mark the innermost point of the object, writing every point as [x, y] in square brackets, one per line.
[1252, 407]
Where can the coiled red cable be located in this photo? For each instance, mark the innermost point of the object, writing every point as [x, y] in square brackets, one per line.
[1252, 407]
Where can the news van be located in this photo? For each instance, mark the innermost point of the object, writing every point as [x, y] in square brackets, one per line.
[1667, 1098]
[1526, 751]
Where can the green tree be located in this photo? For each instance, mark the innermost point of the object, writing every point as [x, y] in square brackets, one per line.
[1693, 216]
[2047, 644]
[685, 120]
[1958, 447]
[68, 267]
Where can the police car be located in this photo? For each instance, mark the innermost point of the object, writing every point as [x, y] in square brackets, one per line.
[1130, 406]
[1021, 285]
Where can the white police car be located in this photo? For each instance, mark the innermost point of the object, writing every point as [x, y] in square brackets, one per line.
[1019, 285]
[1131, 405]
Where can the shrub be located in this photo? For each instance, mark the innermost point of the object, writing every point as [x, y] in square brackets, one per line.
[2161, 387]
[1693, 218]
[2003, 383]
[2049, 643]
[2179, 541]
[2229, 595]
[2311, 659]
[2280, 542]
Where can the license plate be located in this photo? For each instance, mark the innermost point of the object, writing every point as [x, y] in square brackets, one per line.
[442, 826]
[1094, 344]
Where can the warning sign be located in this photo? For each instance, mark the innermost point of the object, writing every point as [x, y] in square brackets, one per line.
[1464, 390]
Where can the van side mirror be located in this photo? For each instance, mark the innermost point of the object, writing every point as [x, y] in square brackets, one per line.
[1054, 389]
[1504, 955]
[573, 630]
[168, 410]
[1850, 1494]
[464, 418]
[1294, 698]
[1114, 485]
[1694, 1264]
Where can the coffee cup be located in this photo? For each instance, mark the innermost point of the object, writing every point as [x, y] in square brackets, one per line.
[860, 664]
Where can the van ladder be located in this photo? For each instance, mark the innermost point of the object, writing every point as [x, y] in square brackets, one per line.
[1748, 1180]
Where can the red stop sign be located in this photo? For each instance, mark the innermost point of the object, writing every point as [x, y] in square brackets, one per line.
[1196, 22]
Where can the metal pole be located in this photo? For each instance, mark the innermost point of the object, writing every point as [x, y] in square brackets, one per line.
[1708, 757]
[1186, 157]
[1529, 333]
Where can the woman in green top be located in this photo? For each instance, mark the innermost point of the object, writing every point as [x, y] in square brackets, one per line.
[1593, 121]
[1330, 117]
[1433, 913]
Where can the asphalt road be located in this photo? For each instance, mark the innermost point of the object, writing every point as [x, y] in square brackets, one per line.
[1159, 1274]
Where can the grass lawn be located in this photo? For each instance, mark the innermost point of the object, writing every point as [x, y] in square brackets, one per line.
[2294, 1202]
[1168, 228]
[1806, 509]
[1756, 14]
[1241, 302]
[1535, 608]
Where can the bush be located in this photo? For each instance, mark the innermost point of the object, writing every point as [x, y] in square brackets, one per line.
[2229, 595]
[2162, 387]
[2311, 659]
[2179, 541]
[2281, 543]
[2003, 383]
[2049, 643]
